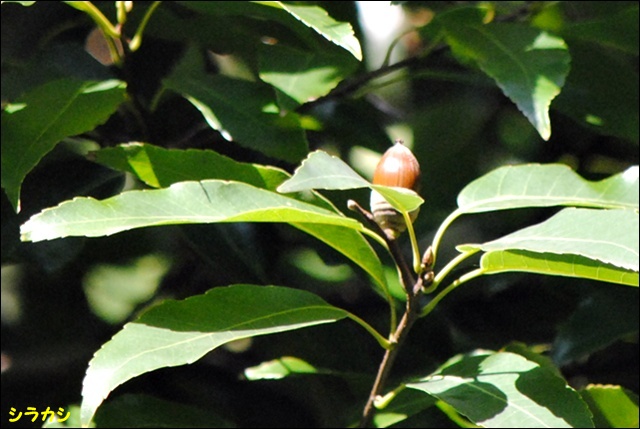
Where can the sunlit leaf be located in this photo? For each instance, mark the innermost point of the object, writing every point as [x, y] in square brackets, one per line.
[536, 185]
[607, 236]
[612, 406]
[505, 390]
[529, 65]
[316, 18]
[180, 332]
[50, 113]
[184, 202]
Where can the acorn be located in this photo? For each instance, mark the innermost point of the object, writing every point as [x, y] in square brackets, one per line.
[397, 167]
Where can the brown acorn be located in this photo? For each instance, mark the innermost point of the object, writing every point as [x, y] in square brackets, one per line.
[397, 167]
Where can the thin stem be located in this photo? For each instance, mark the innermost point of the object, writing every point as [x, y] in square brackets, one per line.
[90, 9]
[137, 38]
[414, 243]
[463, 279]
[443, 227]
[448, 268]
[386, 344]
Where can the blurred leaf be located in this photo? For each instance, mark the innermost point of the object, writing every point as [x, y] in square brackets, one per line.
[241, 110]
[183, 202]
[602, 91]
[608, 236]
[593, 326]
[535, 185]
[350, 243]
[612, 406]
[303, 75]
[144, 411]
[114, 291]
[50, 113]
[505, 390]
[617, 30]
[279, 368]
[323, 171]
[529, 65]
[159, 167]
[180, 332]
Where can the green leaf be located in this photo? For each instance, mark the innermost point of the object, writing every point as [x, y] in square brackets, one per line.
[608, 236]
[316, 18]
[159, 167]
[612, 406]
[303, 75]
[208, 201]
[48, 114]
[529, 65]
[502, 261]
[535, 185]
[241, 110]
[323, 171]
[180, 332]
[506, 390]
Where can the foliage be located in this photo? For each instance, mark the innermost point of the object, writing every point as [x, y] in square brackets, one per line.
[156, 155]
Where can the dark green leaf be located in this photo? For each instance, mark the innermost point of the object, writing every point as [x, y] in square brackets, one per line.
[241, 110]
[180, 332]
[45, 116]
[159, 167]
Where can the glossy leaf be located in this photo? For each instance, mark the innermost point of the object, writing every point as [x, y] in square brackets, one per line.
[45, 116]
[159, 167]
[529, 65]
[607, 236]
[180, 332]
[506, 390]
[612, 406]
[184, 202]
[536, 185]
[323, 171]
